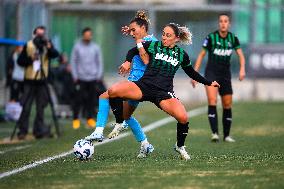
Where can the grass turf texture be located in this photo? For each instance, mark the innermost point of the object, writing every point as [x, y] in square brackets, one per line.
[254, 161]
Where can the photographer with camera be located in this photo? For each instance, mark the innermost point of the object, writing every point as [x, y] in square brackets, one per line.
[35, 59]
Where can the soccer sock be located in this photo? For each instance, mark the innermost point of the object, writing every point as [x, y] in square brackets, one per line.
[102, 116]
[116, 105]
[213, 118]
[227, 121]
[182, 130]
[136, 129]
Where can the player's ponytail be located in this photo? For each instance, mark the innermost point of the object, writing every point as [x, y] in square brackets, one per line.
[182, 32]
[141, 18]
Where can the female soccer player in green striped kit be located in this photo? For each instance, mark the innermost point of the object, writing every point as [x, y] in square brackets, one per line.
[219, 45]
[138, 28]
[156, 85]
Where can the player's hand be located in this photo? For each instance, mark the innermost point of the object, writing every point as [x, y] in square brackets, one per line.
[124, 68]
[242, 74]
[194, 83]
[125, 30]
[139, 41]
[215, 84]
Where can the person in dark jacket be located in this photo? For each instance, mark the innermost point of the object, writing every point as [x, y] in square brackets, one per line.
[35, 59]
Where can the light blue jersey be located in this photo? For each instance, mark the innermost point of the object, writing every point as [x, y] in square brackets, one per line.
[138, 67]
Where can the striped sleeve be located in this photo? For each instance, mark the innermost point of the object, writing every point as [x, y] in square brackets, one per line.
[236, 43]
[186, 61]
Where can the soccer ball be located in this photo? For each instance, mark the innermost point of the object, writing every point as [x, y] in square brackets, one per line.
[83, 149]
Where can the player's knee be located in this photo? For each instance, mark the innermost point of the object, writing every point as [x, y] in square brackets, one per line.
[227, 105]
[212, 101]
[183, 118]
[111, 92]
[104, 95]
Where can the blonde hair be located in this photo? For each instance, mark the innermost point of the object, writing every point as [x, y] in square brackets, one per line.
[182, 32]
[185, 35]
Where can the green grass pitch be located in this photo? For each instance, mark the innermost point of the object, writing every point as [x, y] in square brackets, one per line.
[254, 161]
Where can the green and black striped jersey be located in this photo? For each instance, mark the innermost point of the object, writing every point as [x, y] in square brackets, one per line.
[164, 63]
[220, 49]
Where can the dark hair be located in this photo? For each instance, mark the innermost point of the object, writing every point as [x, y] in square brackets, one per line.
[86, 29]
[141, 19]
[223, 14]
[39, 27]
[182, 32]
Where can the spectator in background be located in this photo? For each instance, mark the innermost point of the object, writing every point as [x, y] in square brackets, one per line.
[15, 75]
[15, 81]
[35, 58]
[62, 80]
[87, 72]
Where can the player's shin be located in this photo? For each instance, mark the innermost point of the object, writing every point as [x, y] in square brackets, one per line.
[136, 129]
[213, 119]
[117, 108]
[227, 121]
[182, 131]
[102, 116]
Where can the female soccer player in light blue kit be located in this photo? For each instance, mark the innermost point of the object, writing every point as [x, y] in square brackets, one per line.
[138, 28]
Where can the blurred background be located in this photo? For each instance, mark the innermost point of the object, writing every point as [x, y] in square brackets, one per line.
[259, 25]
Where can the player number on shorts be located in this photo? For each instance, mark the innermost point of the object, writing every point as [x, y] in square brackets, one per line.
[172, 94]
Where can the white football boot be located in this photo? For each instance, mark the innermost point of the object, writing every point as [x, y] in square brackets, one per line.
[145, 150]
[183, 153]
[229, 139]
[118, 127]
[97, 135]
[215, 137]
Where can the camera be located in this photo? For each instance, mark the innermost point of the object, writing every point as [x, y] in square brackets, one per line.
[40, 42]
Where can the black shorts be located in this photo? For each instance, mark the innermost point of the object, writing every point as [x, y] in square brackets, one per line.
[224, 81]
[152, 93]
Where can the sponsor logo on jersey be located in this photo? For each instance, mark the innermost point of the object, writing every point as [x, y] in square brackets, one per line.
[167, 58]
[223, 52]
[229, 44]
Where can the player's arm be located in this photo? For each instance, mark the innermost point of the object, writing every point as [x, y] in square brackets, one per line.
[206, 45]
[124, 68]
[242, 60]
[188, 69]
[140, 50]
[199, 59]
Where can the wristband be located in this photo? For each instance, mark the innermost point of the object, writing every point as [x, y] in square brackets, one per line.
[139, 45]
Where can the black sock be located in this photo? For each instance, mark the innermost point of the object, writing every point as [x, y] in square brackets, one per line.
[182, 130]
[227, 121]
[213, 118]
[116, 105]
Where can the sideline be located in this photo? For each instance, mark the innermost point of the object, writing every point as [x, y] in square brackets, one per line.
[151, 126]
[16, 148]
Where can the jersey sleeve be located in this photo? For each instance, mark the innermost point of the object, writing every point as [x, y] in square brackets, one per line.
[207, 43]
[196, 76]
[186, 61]
[237, 43]
[134, 51]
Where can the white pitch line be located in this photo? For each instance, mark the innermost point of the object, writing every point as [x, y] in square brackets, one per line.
[151, 126]
[16, 148]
